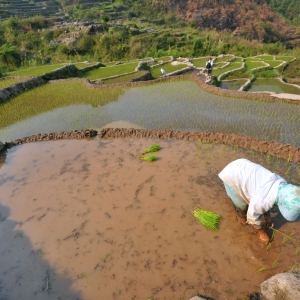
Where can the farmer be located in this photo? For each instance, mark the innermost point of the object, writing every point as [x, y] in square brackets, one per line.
[163, 72]
[208, 67]
[254, 190]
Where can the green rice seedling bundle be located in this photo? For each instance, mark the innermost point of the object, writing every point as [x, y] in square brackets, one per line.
[153, 148]
[207, 218]
[149, 158]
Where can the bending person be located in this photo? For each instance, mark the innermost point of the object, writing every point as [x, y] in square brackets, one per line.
[254, 190]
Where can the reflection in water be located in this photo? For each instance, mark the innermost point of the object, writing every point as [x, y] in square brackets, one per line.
[179, 105]
[273, 85]
[90, 215]
[25, 271]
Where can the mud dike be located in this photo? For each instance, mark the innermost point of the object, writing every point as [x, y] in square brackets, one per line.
[287, 152]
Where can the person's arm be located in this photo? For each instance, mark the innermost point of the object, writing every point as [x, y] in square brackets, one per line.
[257, 214]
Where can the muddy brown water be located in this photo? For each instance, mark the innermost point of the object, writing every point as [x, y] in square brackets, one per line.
[87, 220]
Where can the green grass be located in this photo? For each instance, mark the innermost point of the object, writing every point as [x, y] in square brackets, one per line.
[155, 72]
[125, 78]
[110, 71]
[10, 81]
[36, 71]
[232, 66]
[274, 63]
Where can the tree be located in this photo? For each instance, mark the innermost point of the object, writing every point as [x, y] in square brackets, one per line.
[8, 54]
[105, 20]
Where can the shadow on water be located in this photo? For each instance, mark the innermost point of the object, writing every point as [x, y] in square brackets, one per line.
[24, 273]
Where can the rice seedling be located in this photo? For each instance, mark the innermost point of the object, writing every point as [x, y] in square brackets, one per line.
[262, 269]
[207, 218]
[153, 148]
[293, 266]
[81, 275]
[106, 256]
[268, 246]
[297, 247]
[275, 263]
[149, 158]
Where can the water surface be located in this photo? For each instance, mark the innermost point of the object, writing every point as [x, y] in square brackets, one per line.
[273, 85]
[181, 105]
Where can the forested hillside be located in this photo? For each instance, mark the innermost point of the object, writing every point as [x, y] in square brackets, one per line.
[249, 19]
[290, 9]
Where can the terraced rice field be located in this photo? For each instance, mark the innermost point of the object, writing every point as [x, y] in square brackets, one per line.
[179, 105]
[105, 72]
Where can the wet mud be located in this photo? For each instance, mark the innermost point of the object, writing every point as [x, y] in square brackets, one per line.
[86, 219]
[287, 152]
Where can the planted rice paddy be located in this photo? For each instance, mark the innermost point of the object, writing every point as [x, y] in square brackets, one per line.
[250, 65]
[224, 58]
[105, 72]
[285, 58]
[36, 71]
[273, 85]
[164, 58]
[4, 83]
[274, 63]
[200, 62]
[233, 66]
[233, 85]
[168, 67]
[220, 64]
[82, 65]
[263, 57]
[125, 78]
[178, 105]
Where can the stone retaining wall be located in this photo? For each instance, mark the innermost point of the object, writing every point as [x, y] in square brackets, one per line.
[20, 87]
[34, 81]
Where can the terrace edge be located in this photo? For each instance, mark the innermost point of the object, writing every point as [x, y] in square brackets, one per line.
[284, 151]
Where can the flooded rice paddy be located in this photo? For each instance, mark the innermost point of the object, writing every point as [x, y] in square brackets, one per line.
[273, 85]
[89, 220]
[233, 85]
[181, 105]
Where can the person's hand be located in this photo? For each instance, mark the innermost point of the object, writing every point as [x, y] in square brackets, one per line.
[268, 222]
[263, 236]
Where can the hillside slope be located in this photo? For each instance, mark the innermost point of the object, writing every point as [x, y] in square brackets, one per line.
[290, 9]
[247, 18]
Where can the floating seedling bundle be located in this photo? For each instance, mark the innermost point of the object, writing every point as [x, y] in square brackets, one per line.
[149, 158]
[153, 148]
[207, 218]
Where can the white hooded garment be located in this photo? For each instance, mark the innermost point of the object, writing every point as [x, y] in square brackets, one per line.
[254, 184]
